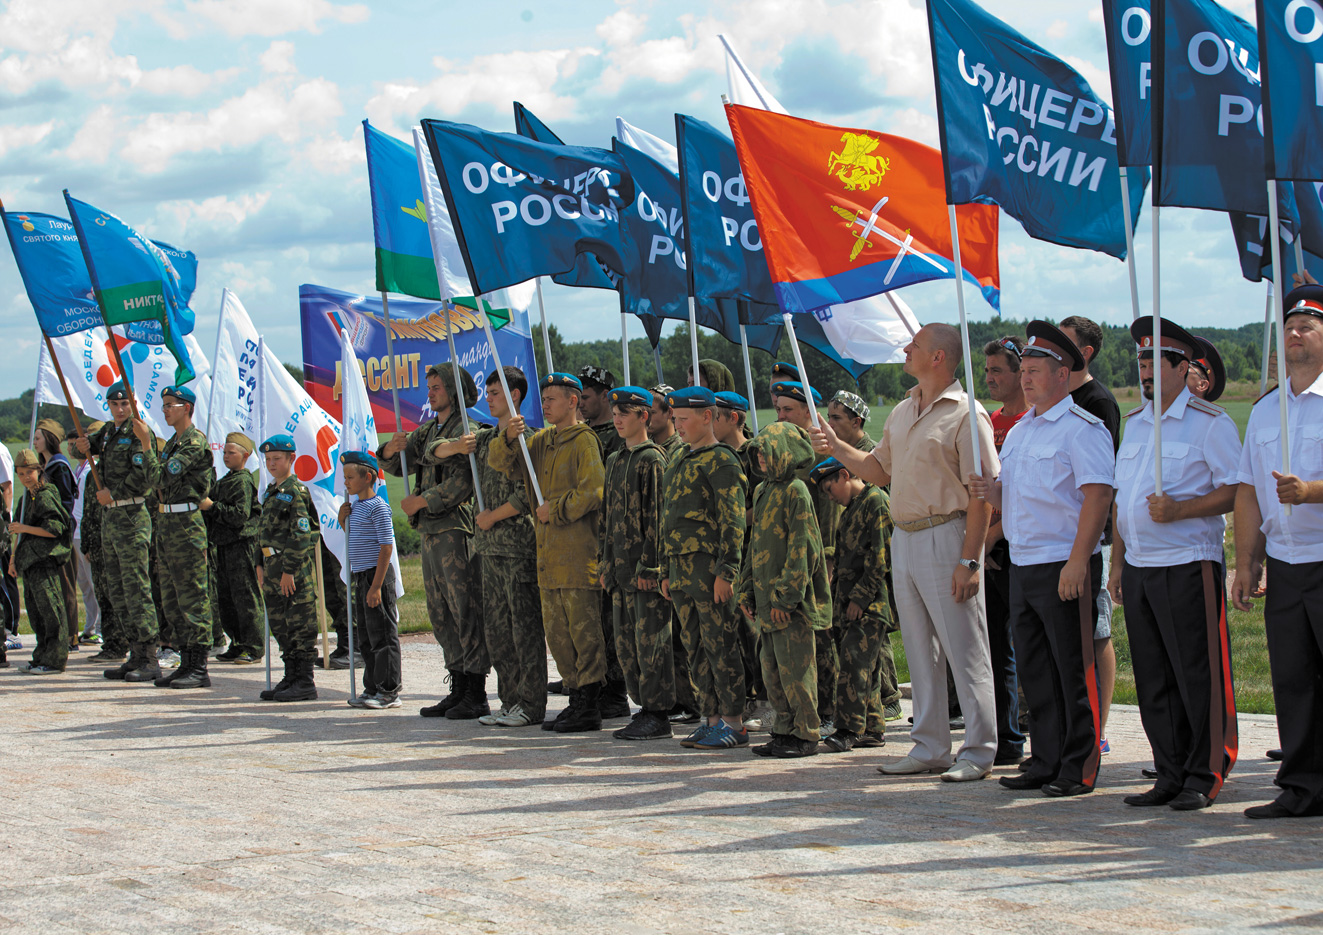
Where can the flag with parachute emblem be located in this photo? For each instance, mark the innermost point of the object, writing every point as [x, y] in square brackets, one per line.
[399, 218]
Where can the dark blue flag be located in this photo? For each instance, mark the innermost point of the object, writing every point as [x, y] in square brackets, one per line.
[1129, 25]
[1207, 144]
[1300, 213]
[523, 209]
[1291, 53]
[1022, 129]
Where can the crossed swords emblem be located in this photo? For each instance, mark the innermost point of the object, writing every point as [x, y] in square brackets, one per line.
[869, 228]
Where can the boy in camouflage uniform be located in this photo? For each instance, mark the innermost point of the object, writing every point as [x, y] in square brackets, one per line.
[441, 509]
[129, 471]
[861, 605]
[568, 461]
[45, 533]
[287, 535]
[784, 591]
[630, 563]
[232, 517]
[511, 604]
[703, 540]
[114, 644]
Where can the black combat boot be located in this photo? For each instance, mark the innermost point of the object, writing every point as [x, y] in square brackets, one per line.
[569, 711]
[269, 694]
[557, 688]
[587, 716]
[458, 680]
[127, 666]
[474, 703]
[196, 676]
[148, 669]
[614, 700]
[302, 688]
[179, 671]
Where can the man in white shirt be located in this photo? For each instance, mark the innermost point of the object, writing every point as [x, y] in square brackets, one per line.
[1293, 544]
[1055, 494]
[1167, 568]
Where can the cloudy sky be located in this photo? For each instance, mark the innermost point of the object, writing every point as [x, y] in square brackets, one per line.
[232, 128]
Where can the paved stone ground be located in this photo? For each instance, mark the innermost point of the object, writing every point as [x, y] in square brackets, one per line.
[130, 809]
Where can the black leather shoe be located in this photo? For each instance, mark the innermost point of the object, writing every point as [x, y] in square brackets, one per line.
[1274, 754]
[795, 747]
[1277, 810]
[1154, 796]
[871, 738]
[841, 741]
[1027, 781]
[647, 725]
[770, 748]
[557, 687]
[1027, 765]
[1008, 759]
[1189, 801]
[1062, 788]
[1149, 773]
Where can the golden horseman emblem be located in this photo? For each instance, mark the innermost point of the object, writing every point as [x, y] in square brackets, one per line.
[855, 164]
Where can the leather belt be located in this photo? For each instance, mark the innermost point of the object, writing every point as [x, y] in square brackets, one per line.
[177, 508]
[928, 522]
[131, 501]
[267, 553]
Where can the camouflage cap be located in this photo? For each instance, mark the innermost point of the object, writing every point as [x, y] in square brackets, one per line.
[596, 377]
[852, 402]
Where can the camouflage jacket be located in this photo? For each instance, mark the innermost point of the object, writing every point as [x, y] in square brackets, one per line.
[610, 439]
[631, 516]
[289, 529]
[703, 507]
[445, 483]
[863, 555]
[513, 537]
[671, 446]
[752, 472]
[126, 470]
[234, 515]
[785, 570]
[568, 463]
[188, 471]
[43, 508]
[89, 524]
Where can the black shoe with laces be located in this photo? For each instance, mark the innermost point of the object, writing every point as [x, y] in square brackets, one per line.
[457, 682]
[647, 725]
[1152, 797]
[841, 741]
[770, 748]
[871, 738]
[796, 747]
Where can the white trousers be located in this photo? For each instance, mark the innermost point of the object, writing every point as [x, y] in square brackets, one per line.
[937, 631]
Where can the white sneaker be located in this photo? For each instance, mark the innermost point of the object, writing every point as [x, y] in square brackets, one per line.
[964, 771]
[909, 766]
[167, 659]
[515, 717]
[362, 700]
[494, 718]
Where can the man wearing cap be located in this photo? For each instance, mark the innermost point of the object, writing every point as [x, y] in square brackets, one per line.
[1055, 493]
[1293, 545]
[782, 372]
[232, 516]
[661, 425]
[187, 475]
[440, 507]
[1167, 570]
[1208, 374]
[925, 455]
[129, 471]
[567, 460]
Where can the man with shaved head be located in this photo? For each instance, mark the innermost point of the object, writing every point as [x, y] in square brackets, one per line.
[926, 454]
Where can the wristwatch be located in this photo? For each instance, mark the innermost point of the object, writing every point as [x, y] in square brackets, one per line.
[971, 563]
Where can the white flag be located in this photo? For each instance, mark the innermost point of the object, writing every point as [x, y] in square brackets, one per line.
[871, 331]
[648, 144]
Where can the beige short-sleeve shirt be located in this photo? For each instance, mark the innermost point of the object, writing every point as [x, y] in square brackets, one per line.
[929, 454]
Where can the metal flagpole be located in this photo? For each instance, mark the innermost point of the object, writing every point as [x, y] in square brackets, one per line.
[1281, 328]
[693, 336]
[32, 424]
[1129, 245]
[394, 386]
[349, 611]
[624, 345]
[964, 339]
[509, 400]
[803, 371]
[261, 431]
[459, 392]
[211, 394]
[748, 376]
[656, 357]
[546, 335]
[1267, 340]
[1157, 358]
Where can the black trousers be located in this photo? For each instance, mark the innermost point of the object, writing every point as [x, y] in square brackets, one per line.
[997, 589]
[1294, 616]
[1176, 619]
[1054, 646]
[376, 634]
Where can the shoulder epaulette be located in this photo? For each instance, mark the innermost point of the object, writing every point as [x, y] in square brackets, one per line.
[1204, 406]
[1086, 415]
[1134, 412]
[1272, 389]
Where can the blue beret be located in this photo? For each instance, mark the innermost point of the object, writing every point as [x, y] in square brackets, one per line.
[794, 391]
[825, 469]
[365, 458]
[728, 400]
[692, 397]
[782, 367]
[630, 396]
[567, 380]
[117, 391]
[180, 392]
[278, 443]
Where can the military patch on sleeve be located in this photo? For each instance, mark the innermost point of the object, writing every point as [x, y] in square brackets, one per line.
[303, 524]
[174, 467]
[137, 459]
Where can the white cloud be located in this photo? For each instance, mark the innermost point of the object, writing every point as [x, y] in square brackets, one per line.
[92, 142]
[275, 17]
[1058, 29]
[12, 138]
[278, 59]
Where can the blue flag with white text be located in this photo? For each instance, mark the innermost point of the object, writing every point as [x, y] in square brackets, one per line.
[1129, 26]
[54, 272]
[1022, 129]
[1291, 57]
[523, 209]
[1300, 208]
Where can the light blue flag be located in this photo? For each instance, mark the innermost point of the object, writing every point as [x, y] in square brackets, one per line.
[1291, 52]
[1129, 27]
[399, 218]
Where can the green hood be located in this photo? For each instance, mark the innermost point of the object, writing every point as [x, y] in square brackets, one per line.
[785, 448]
[717, 376]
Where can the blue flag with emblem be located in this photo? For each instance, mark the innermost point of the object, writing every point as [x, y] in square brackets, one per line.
[138, 282]
[1291, 59]
[1022, 129]
[1129, 27]
[523, 209]
[1207, 147]
[399, 218]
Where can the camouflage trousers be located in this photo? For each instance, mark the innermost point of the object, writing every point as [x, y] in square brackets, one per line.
[684, 682]
[572, 619]
[452, 580]
[181, 547]
[859, 686]
[238, 605]
[711, 636]
[642, 621]
[790, 673]
[126, 537]
[293, 621]
[827, 657]
[512, 626]
[613, 670]
[43, 596]
[337, 604]
[113, 639]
